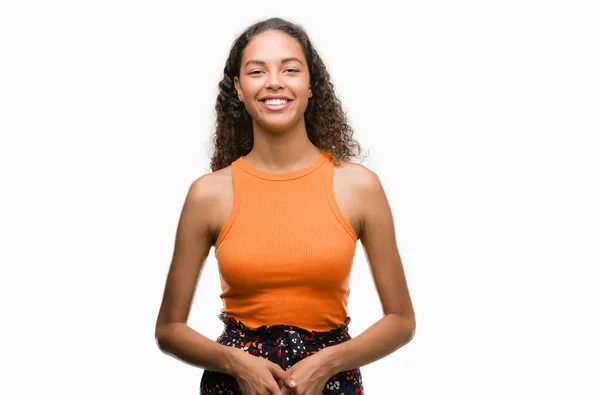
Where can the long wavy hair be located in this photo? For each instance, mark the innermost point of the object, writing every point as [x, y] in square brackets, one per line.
[326, 123]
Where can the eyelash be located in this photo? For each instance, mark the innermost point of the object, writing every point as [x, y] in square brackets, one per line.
[258, 71]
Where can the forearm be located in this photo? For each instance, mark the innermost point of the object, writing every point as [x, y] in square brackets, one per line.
[382, 338]
[181, 341]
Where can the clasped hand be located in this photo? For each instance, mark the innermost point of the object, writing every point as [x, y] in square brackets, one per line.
[309, 376]
[259, 376]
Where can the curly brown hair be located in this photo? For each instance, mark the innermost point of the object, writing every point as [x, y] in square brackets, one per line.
[326, 123]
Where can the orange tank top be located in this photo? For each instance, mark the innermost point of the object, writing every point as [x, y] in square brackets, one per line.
[285, 252]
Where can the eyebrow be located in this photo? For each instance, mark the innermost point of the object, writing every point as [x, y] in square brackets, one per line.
[284, 60]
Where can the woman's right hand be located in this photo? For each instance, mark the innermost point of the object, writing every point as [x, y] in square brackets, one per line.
[256, 375]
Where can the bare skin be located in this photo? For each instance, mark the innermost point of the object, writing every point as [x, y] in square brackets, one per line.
[281, 144]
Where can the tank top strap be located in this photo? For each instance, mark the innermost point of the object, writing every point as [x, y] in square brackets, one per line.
[236, 178]
[329, 190]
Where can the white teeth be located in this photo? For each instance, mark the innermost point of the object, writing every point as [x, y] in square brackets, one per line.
[275, 102]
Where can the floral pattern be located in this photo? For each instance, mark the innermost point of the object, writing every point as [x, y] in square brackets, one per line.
[284, 345]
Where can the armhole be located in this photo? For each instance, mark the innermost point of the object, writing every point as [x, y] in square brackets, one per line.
[234, 209]
[333, 203]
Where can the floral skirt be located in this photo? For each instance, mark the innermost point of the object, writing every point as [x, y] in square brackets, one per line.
[284, 345]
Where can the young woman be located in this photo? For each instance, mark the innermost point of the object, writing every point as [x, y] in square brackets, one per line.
[284, 208]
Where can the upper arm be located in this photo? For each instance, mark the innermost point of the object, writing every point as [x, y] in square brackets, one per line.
[379, 242]
[193, 242]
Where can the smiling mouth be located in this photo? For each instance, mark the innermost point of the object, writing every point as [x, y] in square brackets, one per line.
[275, 104]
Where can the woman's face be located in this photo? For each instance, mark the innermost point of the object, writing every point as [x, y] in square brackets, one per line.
[273, 65]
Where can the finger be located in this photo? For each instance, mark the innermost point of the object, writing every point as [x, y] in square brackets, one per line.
[274, 390]
[284, 377]
[280, 374]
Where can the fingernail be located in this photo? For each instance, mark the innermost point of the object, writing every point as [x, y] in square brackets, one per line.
[292, 383]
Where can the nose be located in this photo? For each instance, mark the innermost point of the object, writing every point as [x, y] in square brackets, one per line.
[274, 81]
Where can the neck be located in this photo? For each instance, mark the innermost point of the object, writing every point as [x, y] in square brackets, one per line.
[282, 151]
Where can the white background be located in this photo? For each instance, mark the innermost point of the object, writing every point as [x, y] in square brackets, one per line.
[481, 119]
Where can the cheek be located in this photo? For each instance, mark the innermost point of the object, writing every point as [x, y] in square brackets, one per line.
[300, 86]
[251, 87]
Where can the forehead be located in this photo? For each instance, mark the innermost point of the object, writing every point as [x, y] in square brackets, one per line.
[272, 45]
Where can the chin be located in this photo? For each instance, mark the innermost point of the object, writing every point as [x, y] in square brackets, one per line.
[275, 127]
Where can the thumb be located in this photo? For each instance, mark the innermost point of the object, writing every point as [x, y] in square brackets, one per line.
[282, 375]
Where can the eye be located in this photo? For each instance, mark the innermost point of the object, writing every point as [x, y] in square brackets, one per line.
[260, 71]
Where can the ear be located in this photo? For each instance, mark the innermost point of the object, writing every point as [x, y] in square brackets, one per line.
[236, 83]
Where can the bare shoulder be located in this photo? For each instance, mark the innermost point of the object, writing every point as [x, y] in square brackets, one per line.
[358, 177]
[207, 187]
[355, 188]
[214, 193]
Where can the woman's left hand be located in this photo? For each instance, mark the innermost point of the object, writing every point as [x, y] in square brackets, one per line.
[309, 374]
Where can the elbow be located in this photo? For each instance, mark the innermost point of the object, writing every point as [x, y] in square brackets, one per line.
[407, 328]
[160, 335]
[411, 334]
[165, 334]
[411, 326]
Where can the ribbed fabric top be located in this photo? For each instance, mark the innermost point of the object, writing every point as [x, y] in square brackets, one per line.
[285, 253]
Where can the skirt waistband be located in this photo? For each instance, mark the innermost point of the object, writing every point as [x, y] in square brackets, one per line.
[236, 328]
[283, 344]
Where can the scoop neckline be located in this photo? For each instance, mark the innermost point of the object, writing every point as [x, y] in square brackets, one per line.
[285, 175]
